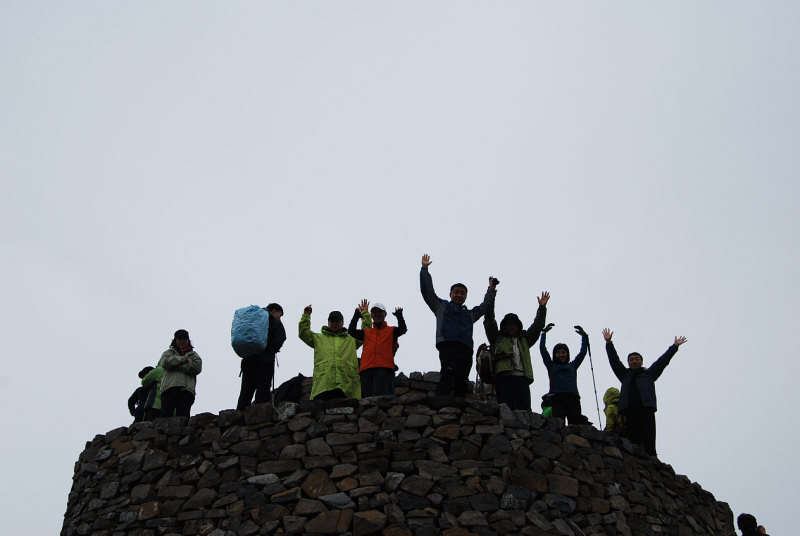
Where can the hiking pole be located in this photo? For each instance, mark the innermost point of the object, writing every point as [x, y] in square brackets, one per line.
[591, 366]
[596, 402]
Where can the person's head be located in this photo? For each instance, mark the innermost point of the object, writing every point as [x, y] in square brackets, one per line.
[181, 339]
[145, 371]
[458, 293]
[635, 360]
[275, 310]
[561, 353]
[747, 523]
[378, 312]
[511, 325]
[335, 321]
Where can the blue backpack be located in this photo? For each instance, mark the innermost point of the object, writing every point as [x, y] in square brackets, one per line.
[249, 331]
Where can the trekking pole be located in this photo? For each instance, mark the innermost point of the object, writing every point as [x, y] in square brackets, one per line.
[591, 366]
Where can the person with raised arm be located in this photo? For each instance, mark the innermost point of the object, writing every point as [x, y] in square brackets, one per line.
[453, 330]
[380, 344]
[637, 395]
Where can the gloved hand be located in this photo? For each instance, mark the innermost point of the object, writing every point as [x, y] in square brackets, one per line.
[548, 327]
[579, 331]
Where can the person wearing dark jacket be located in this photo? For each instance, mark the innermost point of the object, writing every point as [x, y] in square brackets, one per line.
[453, 330]
[511, 356]
[563, 373]
[749, 526]
[376, 366]
[259, 369]
[137, 402]
[637, 395]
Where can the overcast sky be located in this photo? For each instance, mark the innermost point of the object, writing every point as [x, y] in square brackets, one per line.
[164, 163]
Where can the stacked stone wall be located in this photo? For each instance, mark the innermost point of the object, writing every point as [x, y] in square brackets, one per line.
[412, 464]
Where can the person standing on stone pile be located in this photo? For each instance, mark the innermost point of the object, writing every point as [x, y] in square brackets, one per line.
[335, 359]
[563, 373]
[637, 396]
[614, 422]
[749, 526]
[136, 402]
[511, 356]
[454, 329]
[259, 369]
[152, 384]
[380, 343]
[181, 366]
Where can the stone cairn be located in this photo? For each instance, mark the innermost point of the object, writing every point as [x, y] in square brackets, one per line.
[412, 464]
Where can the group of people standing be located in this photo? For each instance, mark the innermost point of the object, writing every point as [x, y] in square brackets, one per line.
[169, 388]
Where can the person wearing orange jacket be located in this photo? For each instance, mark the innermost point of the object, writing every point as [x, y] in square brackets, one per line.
[380, 344]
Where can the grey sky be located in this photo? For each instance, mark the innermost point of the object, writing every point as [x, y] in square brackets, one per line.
[164, 163]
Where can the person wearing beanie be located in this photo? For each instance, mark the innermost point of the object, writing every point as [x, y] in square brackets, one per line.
[181, 366]
[511, 356]
[335, 359]
[563, 373]
[377, 366]
[637, 395]
[258, 370]
[453, 330]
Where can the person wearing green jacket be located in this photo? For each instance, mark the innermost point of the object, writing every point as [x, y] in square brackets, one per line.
[181, 366]
[152, 384]
[511, 356]
[335, 359]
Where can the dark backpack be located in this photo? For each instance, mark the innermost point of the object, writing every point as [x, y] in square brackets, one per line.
[484, 364]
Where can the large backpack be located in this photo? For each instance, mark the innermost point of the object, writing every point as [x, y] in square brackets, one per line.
[484, 364]
[249, 331]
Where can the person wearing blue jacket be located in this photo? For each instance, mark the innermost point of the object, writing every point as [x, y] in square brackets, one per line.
[637, 395]
[563, 373]
[453, 330]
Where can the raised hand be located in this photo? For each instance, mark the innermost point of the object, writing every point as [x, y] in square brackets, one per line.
[493, 282]
[680, 340]
[364, 305]
[398, 311]
[544, 298]
[426, 260]
[579, 331]
[548, 327]
[307, 310]
[607, 334]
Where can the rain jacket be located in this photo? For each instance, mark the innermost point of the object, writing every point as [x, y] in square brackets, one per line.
[645, 377]
[563, 376]
[453, 321]
[152, 382]
[503, 345]
[614, 422]
[180, 370]
[335, 360]
[378, 342]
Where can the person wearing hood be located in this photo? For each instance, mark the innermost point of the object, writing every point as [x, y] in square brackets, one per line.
[453, 329]
[335, 359]
[563, 373]
[181, 366]
[511, 356]
[637, 395]
[377, 367]
[614, 421]
[138, 400]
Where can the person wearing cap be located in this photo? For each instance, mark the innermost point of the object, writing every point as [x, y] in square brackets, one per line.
[380, 344]
[181, 366]
[637, 394]
[137, 401]
[453, 330]
[335, 359]
[511, 355]
[258, 370]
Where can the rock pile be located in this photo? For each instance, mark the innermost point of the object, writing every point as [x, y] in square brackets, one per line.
[412, 464]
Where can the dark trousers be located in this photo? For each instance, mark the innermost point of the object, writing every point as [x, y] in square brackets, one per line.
[640, 426]
[257, 373]
[176, 401]
[567, 406]
[151, 414]
[513, 390]
[377, 381]
[456, 361]
[333, 394]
